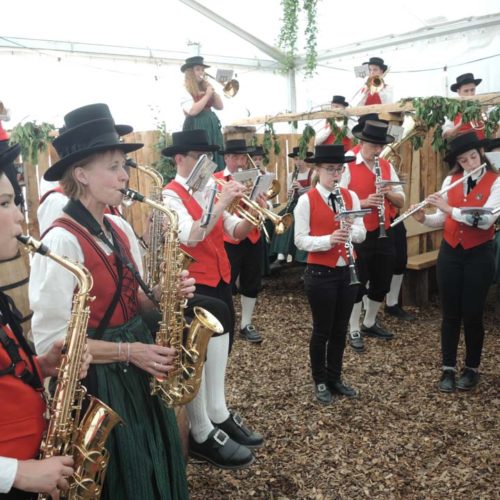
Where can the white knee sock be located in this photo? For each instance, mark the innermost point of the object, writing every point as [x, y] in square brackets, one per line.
[392, 297]
[371, 313]
[354, 319]
[197, 414]
[247, 307]
[215, 369]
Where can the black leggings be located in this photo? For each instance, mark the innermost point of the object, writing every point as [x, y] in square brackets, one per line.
[246, 262]
[400, 248]
[464, 277]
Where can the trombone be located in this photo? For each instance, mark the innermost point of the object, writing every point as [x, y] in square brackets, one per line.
[230, 88]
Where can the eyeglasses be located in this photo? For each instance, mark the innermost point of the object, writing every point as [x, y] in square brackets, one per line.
[197, 156]
[336, 170]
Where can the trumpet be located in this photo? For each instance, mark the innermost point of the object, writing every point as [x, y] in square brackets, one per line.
[424, 203]
[243, 207]
[230, 88]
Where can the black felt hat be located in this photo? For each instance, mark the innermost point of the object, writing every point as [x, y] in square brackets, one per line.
[377, 61]
[92, 112]
[189, 140]
[9, 155]
[461, 144]
[374, 132]
[296, 153]
[330, 153]
[463, 80]
[362, 119]
[193, 61]
[340, 99]
[84, 140]
[258, 151]
[236, 147]
[489, 144]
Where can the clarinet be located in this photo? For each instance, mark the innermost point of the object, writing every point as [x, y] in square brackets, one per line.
[353, 275]
[380, 208]
[295, 176]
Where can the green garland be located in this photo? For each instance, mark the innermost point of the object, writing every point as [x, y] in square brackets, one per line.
[270, 142]
[33, 139]
[164, 165]
[287, 38]
[307, 134]
[433, 111]
[340, 133]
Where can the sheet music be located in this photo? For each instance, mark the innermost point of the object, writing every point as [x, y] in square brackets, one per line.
[262, 185]
[201, 173]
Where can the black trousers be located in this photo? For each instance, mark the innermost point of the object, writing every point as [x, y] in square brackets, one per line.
[246, 262]
[375, 264]
[223, 292]
[464, 277]
[400, 248]
[331, 299]
[15, 494]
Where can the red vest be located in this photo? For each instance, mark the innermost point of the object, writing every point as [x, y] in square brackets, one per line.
[211, 263]
[104, 271]
[363, 184]
[209, 103]
[467, 127]
[346, 141]
[253, 235]
[322, 222]
[355, 149]
[4, 136]
[21, 417]
[373, 99]
[457, 233]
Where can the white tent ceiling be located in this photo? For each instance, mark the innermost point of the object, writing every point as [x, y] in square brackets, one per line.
[155, 36]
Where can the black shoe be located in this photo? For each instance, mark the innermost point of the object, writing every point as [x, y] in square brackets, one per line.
[468, 379]
[376, 331]
[398, 312]
[234, 428]
[251, 334]
[220, 450]
[447, 381]
[338, 387]
[323, 394]
[356, 341]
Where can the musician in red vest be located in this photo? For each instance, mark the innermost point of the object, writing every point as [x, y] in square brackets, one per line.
[245, 255]
[22, 421]
[375, 255]
[145, 453]
[326, 277]
[217, 435]
[326, 135]
[465, 86]
[371, 93]
[466, 262]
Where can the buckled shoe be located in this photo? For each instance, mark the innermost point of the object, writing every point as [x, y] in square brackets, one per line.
[338, 387]
[398, 312]
[233, 426]
[468, 379]
[323, 394]
[251, 334]
[220, 450]
[447, 381]
[356, 341]
[376, 331]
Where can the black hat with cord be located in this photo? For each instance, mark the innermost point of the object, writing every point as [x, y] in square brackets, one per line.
[330, 153]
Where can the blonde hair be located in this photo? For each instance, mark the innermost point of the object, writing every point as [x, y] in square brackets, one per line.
[192, 86]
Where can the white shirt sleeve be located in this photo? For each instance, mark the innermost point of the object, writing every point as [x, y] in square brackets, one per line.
[50, 210]
[358, 229]
[186, 101]
[322, 134]
[386, 94]
[6, 116]
[345, 180]
[8, 471]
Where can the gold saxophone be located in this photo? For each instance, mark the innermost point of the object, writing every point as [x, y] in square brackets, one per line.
[67, 434]
[181, 383]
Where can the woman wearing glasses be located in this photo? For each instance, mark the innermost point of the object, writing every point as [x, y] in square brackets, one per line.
[326, 280]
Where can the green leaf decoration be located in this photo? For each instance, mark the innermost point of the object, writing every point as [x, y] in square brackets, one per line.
[33, 139]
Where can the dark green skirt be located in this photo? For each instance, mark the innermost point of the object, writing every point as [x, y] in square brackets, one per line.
[146, 458]
[207, 120]
[284, 244]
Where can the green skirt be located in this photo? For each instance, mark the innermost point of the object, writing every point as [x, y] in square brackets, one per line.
[146, 458]
[285, 244]
[207, 120]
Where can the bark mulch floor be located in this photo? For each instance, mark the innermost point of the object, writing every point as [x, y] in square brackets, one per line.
[400, 439]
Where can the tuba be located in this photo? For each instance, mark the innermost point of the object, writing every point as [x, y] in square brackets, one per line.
[67, 434]
[181, 384]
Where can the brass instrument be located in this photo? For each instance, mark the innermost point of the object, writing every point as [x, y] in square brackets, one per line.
[424, 203]
[274, 189]
[381, 207]
[181, 384]
[67, 434]
[243, 207]
[152, 257]
[481, 123]
[230, 88]
[374, 84]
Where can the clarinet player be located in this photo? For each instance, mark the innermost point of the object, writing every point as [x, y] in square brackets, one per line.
[326, 279]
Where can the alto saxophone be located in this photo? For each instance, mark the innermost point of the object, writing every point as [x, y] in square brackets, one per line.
[67, 434]
[181, 383]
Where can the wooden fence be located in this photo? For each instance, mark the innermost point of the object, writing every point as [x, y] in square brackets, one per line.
[422, 170]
